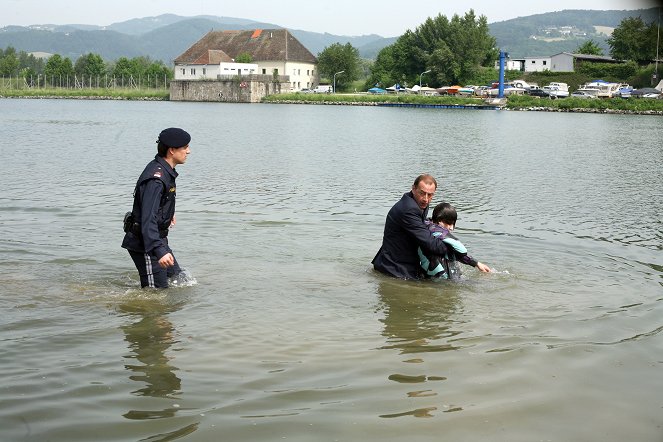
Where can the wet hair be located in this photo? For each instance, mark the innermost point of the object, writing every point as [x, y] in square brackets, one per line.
[426, 178]
[446, 213]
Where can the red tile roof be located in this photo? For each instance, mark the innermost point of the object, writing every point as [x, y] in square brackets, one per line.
[261, 44]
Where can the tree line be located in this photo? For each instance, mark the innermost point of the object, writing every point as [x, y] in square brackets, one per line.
[460, 50]
[89, 70]
[439, 52]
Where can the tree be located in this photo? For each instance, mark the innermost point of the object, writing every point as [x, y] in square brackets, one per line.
[634, 40]
[58, 69]
[590, 47]
[336, 58]
[244, 57]
[9, 62]
[90, 65]
[453, 49]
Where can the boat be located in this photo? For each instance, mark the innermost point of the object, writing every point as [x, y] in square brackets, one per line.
[592, 88]
[601, 88]
[624, 91]
[508, 90]
[448, 90]
[466, 91]
[557, 90]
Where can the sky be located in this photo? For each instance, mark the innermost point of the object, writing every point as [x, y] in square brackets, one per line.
[387, 18]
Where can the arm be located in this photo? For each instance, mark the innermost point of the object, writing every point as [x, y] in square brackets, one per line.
[460, 252]
[411, 221]
[151, 192]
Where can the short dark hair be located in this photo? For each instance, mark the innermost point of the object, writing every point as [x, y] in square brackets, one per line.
[162, 150]
[426, 178]
[446, 213]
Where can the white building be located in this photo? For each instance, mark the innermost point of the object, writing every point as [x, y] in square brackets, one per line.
[272, 51]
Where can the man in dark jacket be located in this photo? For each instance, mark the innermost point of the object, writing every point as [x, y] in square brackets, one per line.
[405, 231]
[153, 211]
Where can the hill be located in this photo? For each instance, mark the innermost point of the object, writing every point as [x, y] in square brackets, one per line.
[166, 36]
[554, 32]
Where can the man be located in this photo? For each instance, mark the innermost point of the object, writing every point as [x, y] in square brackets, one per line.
[405, 231]
[153, 211]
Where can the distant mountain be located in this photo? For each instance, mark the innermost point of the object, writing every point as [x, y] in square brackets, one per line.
[164, 37]
[161, 38]
[554, 32]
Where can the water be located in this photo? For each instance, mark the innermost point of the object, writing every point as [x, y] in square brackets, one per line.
[286, 332]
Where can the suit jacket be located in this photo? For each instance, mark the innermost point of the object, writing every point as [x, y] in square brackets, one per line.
[404, 232]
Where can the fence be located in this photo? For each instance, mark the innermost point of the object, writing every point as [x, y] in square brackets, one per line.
[85, 82]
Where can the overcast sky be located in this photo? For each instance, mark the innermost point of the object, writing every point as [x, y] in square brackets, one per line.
[388, 18]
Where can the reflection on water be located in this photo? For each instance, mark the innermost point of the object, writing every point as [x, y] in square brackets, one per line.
[418, 319]
[149, 338]
[417, 315]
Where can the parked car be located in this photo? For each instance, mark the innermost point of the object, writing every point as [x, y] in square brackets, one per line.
[306, 91]
[322, 89]
[535, 92]
[582, 94]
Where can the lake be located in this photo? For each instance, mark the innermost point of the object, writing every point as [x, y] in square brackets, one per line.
[285, 332]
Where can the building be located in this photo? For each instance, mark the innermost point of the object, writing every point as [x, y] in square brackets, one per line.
[568, 62]
[274, 52]
[536, 64]
[562, 62]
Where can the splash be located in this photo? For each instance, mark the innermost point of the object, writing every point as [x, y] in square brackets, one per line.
[182, 279]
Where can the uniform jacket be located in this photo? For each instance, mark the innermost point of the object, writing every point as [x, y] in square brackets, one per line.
[153, 208]
[404, 232]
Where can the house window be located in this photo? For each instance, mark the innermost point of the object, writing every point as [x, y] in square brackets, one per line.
[545, 62]
[264, 72]
[204, 71]
[183, 71]
[193, 71]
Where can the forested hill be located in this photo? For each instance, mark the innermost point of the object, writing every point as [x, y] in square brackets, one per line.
[167, 36]
[555, 32]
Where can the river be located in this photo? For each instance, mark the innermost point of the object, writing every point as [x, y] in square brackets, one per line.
[285, 332]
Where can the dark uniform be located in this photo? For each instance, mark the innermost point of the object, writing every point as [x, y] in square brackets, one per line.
[404, 232]
[146, 236]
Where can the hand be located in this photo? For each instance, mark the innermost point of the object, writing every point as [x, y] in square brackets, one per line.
[483, 267]
[167, 260]
[172, 221]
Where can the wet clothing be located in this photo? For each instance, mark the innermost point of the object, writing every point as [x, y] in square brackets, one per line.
[153, 211]
[445, 266]
[404, 232]
[150, 272]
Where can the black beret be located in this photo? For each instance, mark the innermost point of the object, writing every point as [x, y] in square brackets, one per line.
[174, 137]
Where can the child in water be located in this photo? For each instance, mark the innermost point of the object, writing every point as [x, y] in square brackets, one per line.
[446, 267]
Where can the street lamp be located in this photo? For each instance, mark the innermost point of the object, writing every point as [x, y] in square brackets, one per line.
[335, 79]
[420, 75]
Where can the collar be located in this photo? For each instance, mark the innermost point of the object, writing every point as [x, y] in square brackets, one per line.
[166, 166]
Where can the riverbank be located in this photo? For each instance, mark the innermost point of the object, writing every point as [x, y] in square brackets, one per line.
[89, 94]
[639, 106]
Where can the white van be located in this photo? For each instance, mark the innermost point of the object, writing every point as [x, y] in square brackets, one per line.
[322, 89]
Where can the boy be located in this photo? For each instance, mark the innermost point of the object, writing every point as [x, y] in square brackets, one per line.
[443, 222]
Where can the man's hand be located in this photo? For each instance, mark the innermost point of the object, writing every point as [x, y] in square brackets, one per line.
[167, 260]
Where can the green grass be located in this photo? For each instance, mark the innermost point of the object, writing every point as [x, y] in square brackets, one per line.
[618, 104]
[370, 98]
[100, 93]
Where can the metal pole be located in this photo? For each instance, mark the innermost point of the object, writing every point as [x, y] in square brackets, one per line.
[420, 75]
[335, 79]
[501, 86]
